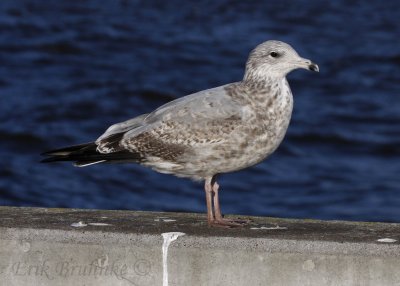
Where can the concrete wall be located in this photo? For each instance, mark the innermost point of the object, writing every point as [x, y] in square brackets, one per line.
[86, 247]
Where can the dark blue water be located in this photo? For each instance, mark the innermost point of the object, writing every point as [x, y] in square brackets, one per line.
[71, 68]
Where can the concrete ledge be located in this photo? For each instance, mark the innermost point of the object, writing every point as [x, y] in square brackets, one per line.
[93, 247]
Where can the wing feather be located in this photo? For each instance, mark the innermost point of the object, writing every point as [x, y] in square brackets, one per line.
[177, 127]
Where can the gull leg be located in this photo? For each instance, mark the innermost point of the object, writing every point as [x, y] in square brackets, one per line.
[208, 190]
[217, 209]
[219, 220]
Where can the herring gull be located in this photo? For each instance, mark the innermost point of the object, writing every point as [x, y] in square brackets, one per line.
[211, 132]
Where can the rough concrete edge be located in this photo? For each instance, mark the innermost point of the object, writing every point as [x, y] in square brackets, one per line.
[228, 243]
[195, 215]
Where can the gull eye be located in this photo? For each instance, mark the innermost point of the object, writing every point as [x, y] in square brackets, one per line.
[273, 54]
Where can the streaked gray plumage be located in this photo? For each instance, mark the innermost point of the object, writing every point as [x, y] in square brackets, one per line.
[210, 132]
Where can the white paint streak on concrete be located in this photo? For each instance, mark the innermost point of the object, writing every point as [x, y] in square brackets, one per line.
[168, 238]
[270, 228]
[98, 223]
[164, 219]
[79, 224]
[390, 240]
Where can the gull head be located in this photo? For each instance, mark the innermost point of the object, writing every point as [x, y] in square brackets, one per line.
[275, 59]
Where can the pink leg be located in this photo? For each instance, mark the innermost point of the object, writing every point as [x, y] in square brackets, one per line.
[208, 190]
[218, 215]
[219, 220]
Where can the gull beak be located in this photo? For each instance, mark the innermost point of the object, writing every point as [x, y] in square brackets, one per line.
[308, 65]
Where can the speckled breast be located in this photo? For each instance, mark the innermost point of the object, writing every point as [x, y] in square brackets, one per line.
[264, 127]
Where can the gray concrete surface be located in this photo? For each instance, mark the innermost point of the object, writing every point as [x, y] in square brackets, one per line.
[48, 247]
